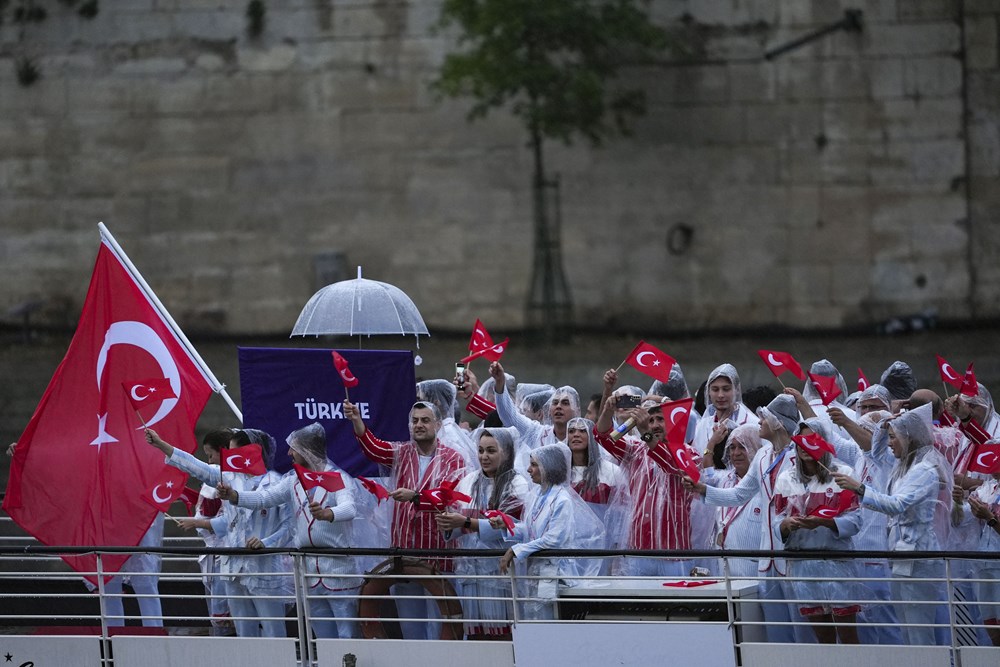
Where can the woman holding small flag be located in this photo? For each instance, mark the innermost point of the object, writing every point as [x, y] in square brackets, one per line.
[320, 496]
[495, 489]
[815, 514]
[255, 585]
[555, 517]
[919, 488]
[984, 504]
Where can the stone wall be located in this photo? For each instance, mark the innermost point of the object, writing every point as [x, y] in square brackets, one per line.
[824, 188]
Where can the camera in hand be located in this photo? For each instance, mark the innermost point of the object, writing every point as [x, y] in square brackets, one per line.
[628, 401]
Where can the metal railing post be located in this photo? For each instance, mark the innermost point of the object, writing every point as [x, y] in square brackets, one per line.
[302, 617]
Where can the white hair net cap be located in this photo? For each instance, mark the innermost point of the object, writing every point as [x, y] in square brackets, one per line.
[782, 413]
[310, 443]
[675, 388]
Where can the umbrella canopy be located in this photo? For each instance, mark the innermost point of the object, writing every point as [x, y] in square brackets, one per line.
[359, 307]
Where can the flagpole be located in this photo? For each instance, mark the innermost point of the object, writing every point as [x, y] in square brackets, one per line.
[206, 372]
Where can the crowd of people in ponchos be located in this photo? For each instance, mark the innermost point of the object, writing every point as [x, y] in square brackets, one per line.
[543, 469]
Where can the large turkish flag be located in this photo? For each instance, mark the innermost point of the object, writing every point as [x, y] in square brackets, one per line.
[82, 465]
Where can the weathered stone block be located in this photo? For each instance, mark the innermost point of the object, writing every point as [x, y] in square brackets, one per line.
[981, 42]
[932, 77]
[752, 82]
[930, 161]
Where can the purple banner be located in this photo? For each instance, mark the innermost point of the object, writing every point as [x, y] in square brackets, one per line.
[284, 389]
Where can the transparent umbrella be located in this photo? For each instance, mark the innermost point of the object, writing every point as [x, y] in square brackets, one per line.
[360, 307]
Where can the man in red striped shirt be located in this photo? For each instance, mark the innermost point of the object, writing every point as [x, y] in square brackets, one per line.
[659, 507]
[418, 465]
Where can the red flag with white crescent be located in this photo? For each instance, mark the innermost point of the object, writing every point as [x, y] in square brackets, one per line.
[948, 374]
[842, 502]
[168, 486]
[374, 488]
[863, 382]
[148, 392]
[827, 387]
[814, 445]
[985, 459]
[651, 360]
[684, 460]
[310, 479]
[481, 338]
[346, 376]
[507, 519]
[494, 352]
[247, 459]
[443, 496]
[781, 362]
[80, 468]
[969, 385]
[676, 415]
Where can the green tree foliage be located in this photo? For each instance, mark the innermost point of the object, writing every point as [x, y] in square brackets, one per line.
[554, 63]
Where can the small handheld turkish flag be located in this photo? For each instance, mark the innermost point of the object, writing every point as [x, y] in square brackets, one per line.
[651, 360]
[443, 496]
[863, 382]
[842, 502]
[144, 392]
[246, 459]
[781, 362]
[310, 479]
[168, 486]
[985, 459]
[814, 444]
[507, 519]
[684, 460]
[948, 374]
[190, 499]
[969, 385]
[827, 387]
[481, 345]
[676, 416]
[342, 369]
[374, 488]
[493, 353]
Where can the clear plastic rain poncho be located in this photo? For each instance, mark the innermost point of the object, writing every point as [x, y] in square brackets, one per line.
[483, 599]
[729, 372]
[914, 429]
[535, 406]
[442, 394]
[310, 443]
[824, 368]
[487, 389]
[879, 393]
[267, 444]
[984, 399]
[563, 392]
[555, 517]
[370, 527]
[748, 436]
[898, 378]
[830, 585]
[675, 388]
[525, 388]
